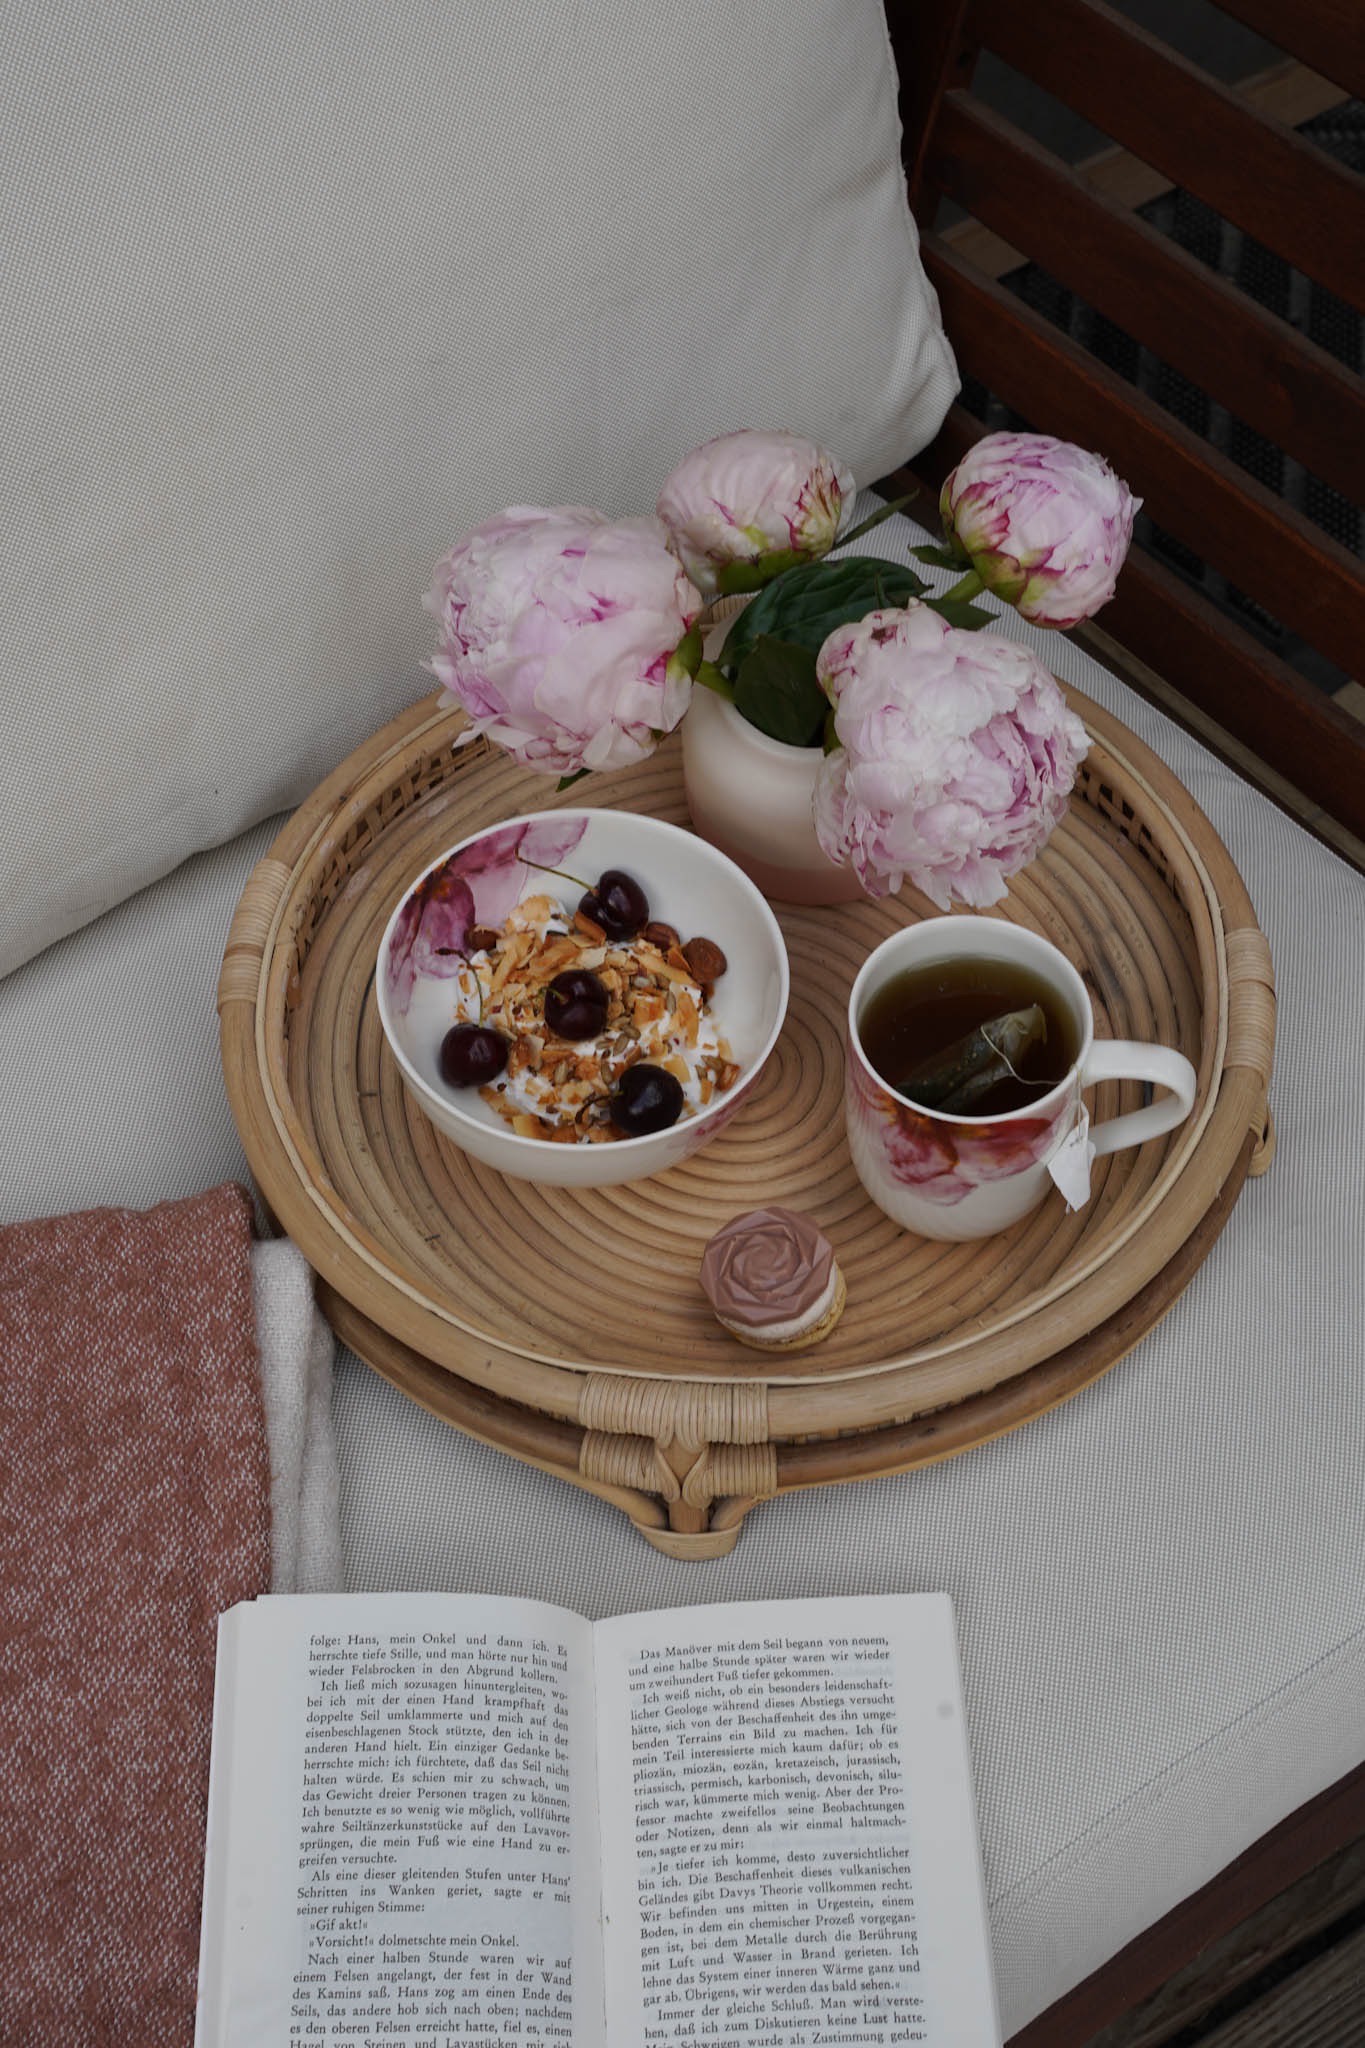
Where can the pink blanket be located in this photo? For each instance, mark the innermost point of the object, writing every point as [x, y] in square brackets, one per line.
[134, 1505]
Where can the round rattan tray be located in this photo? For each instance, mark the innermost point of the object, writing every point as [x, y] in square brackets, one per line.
[567, 1326]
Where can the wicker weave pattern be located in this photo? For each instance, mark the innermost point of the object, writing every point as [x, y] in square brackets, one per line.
[570, 1327]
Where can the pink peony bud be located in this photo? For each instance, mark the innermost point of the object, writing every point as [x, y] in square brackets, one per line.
[748, 495]
[957, 754]
[560, 634]
[1045, 525]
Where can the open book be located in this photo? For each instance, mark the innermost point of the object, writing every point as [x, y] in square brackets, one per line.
[436, 1819]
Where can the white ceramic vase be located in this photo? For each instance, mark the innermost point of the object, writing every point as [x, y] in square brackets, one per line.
[753, 797]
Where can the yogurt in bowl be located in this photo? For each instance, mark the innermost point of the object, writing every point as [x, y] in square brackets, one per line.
[548, 1039]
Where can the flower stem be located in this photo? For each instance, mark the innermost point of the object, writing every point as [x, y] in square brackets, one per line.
[857, 532]
[711, 676]
[970, 584]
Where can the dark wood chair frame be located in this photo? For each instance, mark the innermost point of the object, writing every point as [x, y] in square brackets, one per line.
[1266, 179]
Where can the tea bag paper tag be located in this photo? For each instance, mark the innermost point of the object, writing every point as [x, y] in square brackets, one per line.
[1070, 1163]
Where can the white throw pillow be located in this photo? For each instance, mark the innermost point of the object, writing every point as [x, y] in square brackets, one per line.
[296, 294]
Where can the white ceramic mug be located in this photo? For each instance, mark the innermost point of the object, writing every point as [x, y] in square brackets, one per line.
[952, 1177]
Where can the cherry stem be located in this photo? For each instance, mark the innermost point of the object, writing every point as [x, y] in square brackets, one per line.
[563, 874]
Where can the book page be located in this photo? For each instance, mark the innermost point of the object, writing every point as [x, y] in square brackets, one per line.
[403, 1838]
[789, 1841]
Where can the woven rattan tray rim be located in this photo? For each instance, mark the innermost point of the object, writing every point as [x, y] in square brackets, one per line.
[255, 969]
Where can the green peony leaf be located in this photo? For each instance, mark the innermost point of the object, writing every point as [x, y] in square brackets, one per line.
[776, 691]
[805, 604]
[939, 557]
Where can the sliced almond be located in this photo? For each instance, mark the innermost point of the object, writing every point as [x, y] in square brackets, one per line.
[520, 1057]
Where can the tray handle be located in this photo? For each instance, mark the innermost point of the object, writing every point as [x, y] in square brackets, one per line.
[249, 932]
[693, 1412]
[1251, 1028]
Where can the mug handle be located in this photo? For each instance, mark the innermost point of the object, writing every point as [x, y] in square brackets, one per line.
[1128, 1059]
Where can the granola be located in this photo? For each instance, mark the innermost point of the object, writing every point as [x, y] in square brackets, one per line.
[658, 1011]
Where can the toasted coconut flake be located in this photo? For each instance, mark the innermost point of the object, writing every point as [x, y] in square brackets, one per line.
[554, 958]
[672, 971]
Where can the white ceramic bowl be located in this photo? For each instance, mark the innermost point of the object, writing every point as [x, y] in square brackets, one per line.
[690, 885]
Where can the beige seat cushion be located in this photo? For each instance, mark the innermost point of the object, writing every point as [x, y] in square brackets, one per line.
[1158, 1586]
[296, 294]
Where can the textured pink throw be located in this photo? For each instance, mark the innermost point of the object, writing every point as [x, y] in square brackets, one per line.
[134, 1505]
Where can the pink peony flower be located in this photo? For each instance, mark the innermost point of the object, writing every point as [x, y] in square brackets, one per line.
[956, 756]
[1045, 525]
[751, 494]
[560, 634]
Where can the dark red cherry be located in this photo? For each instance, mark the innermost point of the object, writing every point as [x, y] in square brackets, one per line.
[622, 905]
[576, 1004]
[472, 1055]
[647, 1099]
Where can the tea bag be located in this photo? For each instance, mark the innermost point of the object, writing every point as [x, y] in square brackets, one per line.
[965, 1072]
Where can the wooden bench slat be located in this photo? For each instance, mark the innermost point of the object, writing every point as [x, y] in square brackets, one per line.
[1211, 660]
[1270, 551]
[1274, 379]
[1328, 34]
[1254, 171]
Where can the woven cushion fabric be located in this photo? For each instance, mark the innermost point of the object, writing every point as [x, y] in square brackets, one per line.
[296, 295]
[1158, 1586]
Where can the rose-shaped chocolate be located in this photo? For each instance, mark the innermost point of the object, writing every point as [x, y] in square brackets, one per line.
[957, 753]
[770, 1268]
[565, 636]
[1045, 525]
[764, 499]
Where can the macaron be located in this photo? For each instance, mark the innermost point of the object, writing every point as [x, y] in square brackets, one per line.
[773, 1281]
